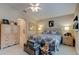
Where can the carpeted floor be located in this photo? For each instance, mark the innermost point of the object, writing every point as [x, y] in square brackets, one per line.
[17, 50]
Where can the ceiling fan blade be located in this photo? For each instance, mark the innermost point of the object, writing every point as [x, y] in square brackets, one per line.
[37, 4]
[34, 7]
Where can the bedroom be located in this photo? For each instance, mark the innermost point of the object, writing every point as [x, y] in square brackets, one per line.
[47, 25]
[63, 25]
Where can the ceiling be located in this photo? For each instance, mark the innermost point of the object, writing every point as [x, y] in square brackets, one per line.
[48, 9]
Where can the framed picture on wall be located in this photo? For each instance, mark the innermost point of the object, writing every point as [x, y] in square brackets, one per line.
[51, 23]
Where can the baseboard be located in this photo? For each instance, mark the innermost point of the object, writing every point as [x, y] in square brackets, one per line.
[11, 45]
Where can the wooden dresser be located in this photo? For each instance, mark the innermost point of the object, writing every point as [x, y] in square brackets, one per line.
[68, 40]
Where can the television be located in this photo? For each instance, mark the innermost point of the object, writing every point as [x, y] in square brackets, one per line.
[5, 21]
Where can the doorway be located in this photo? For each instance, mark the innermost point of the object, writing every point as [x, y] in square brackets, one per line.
[22, 28]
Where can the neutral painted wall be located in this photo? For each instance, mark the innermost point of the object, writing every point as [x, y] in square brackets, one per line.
[8, 12]
[76, 10]
[65, 20]
[59, 22]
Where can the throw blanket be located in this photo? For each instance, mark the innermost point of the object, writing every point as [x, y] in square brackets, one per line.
[52, 38]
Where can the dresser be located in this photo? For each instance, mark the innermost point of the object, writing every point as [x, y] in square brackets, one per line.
[68, 40]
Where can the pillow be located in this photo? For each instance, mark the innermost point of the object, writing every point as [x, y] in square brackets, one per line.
[54, 32]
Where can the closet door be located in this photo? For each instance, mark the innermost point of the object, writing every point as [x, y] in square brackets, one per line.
[5, 35]
[9, 35]
[15, 34]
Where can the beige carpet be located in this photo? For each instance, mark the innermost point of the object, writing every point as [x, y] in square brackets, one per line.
[66, 50]
[17, 50]
[14, 50]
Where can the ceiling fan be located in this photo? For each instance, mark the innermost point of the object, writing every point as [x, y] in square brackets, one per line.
[35, 7]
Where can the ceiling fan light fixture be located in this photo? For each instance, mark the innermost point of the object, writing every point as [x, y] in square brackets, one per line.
[37, 4]
[34, 7]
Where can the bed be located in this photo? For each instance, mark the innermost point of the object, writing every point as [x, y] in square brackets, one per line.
[53, 39]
